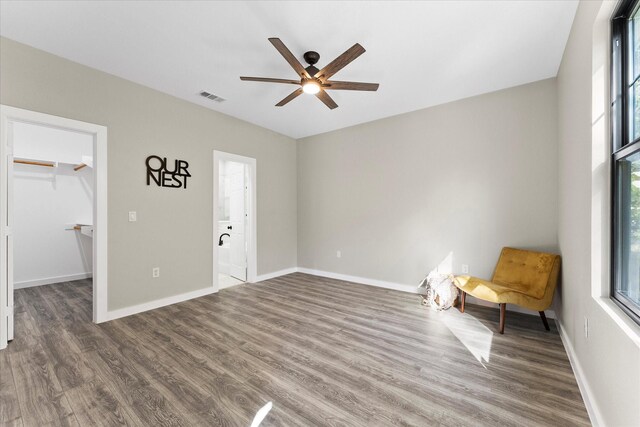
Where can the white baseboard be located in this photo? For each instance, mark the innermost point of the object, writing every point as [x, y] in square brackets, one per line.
[361, 280]
[389, 285]
[135, 309]
[127, 311]
[151, 305]
[587, 395]
[221, 287]
[50, 280]
[274, 274]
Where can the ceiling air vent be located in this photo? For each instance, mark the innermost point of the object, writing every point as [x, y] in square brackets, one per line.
[212, 96]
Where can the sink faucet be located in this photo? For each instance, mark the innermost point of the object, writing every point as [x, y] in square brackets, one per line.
[221, 236]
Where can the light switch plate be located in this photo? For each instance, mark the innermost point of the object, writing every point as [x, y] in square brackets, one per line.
[133, 217]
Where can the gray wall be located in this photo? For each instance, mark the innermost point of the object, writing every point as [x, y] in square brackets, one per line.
[174, 228]
[608, 358]
[397, 195]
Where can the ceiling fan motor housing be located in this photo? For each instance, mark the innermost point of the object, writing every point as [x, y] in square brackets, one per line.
[311, 58]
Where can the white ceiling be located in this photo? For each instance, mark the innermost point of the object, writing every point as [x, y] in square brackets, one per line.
[421, 53]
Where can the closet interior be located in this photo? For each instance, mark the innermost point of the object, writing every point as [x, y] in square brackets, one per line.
[52, 189]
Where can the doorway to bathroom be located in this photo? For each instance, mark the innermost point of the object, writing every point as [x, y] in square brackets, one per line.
[234, 220]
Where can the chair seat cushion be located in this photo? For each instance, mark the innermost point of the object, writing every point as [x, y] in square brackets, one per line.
[496, 292]
[524, 271]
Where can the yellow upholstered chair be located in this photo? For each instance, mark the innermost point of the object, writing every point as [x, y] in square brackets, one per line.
[524, 278]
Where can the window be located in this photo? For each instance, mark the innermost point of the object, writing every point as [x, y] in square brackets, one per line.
[625, 157]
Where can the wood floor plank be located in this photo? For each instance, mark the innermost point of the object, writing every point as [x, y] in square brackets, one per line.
[41, 398]
[72, 369]
[290, 389]
[322, 351]
[289, 341]
[9, 405]
[94, 404]
[13, 423]
[164, 374]
[230, 400]
[338, 372]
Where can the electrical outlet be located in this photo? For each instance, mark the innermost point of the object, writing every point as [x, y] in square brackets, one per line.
[465, 269]
[155, 272]
[133, 217]
[586, 327]
[339, 254]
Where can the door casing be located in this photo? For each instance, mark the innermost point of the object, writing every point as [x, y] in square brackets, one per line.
[8, 116]
[251, 209]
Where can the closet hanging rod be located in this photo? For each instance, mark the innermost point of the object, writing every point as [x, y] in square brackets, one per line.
[34, 163]
[80, 166]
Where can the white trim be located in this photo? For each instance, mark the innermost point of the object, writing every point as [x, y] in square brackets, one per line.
[162, 302]
[622, 319]
[389, 285]
[361, 280]
[51, 280]
[231, 285]
[4, 230]
[101, 219]
[252, 229]
[10, 114]
[275, 274]
[587, 395]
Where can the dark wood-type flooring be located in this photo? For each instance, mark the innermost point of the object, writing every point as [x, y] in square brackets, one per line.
[324, 352]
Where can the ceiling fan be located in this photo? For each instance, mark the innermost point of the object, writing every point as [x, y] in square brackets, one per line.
[312, 80]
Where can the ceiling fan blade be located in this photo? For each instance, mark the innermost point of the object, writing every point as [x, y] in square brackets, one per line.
[328, 101]
[333, 85]
[270, 80]
[296, 93]
[340, 62]
[286, 53]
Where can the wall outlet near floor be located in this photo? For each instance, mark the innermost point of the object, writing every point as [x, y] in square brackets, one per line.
[133, 217]
[465, 269]
[155, 272]
[338, 254]
[586, 327]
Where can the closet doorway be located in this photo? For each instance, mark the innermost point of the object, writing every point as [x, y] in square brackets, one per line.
[53, 212]
[234, 220]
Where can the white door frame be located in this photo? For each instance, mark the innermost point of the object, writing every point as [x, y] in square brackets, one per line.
[252, 229]
[9, 115]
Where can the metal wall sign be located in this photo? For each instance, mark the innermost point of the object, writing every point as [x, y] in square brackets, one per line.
[158, 172]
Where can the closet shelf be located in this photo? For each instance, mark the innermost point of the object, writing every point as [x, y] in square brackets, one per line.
[86, 161]
[35, 162]
[85, 229]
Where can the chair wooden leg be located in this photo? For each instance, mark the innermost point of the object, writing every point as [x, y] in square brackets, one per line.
[544, 320]
[463, 294]
[503, 309]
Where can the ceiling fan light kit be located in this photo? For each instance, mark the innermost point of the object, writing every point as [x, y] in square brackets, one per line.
[310, 86]
[314, 81]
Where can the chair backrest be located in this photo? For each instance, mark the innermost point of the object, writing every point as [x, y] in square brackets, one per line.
[527, 271]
